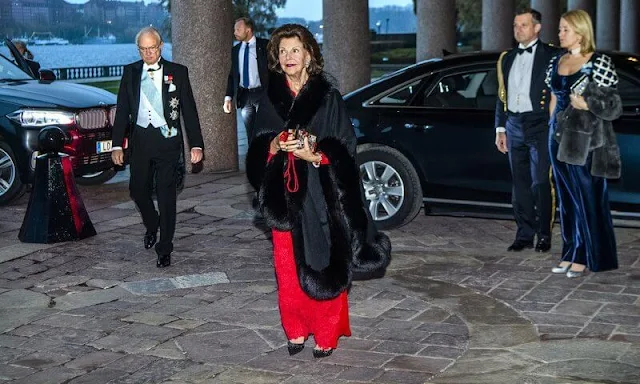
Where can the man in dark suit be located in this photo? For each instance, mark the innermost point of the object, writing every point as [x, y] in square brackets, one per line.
[249, 75]
[154, 93]
[521, 121]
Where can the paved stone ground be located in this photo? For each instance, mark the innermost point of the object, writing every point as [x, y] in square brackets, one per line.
[453, 308]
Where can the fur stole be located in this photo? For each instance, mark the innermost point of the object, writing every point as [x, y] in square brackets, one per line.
[355, 250]
[581, 132]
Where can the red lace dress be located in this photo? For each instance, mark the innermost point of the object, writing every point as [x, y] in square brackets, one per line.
[300, 314]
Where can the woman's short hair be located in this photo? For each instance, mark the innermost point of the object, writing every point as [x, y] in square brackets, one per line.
[149, 30]
[581, 23]
[309, 43]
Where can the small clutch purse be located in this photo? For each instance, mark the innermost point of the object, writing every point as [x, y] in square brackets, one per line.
[579, 86]
[301, 134]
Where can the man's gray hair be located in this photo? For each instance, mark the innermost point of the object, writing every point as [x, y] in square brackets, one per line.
[149, 30]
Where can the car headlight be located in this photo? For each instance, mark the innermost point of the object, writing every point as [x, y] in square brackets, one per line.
[41, 117]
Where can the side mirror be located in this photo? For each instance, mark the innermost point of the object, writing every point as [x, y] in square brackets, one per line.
[47, 75]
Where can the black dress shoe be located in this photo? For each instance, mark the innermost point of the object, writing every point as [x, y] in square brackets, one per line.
[519, 245]
[163, 261]
[543, 245]
[320, 353]
[294, 348]
[150, 239]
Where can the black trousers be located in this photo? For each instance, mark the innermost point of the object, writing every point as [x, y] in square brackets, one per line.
[154, 160]
[248, 103]
[527, 139]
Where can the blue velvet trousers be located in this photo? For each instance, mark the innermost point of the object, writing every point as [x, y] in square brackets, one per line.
[585, 217]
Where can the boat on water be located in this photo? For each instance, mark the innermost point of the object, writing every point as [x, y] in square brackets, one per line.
[108, 38]
[104, 39]
[46, 38]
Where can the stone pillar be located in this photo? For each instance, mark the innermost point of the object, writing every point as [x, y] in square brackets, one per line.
[202, 32]
[550, 10]
[629, 26]
[346, 43]
[436, 28]
[588, 6]
[497, 24]
[607, 24]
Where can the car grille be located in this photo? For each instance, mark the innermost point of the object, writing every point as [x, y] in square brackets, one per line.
[112, 115]
[92, 118]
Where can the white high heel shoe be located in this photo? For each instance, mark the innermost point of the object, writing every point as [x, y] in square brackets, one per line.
[572, 274]
[560, 269]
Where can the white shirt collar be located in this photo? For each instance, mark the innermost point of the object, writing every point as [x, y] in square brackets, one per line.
[156, 66]
[528, 45]
[252, 41]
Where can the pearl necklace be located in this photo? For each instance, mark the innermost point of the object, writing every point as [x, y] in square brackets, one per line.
[575, 51]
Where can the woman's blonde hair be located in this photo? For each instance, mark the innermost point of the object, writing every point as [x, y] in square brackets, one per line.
[581, 23]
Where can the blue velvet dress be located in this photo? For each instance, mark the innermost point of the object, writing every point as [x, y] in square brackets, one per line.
[585, 217]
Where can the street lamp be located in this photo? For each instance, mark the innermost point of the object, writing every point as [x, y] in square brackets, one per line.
[378, 24]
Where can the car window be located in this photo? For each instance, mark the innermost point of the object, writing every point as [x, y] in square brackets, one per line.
[629, 92]
[401, 96]
[476, 90]
[9, 71]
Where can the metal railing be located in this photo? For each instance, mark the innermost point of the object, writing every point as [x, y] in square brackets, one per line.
[78, 73]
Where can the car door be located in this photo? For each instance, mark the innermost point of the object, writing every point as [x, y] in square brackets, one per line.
[449, 124]
[626, 189]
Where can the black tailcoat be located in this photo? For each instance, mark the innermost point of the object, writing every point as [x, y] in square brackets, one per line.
[328, 204]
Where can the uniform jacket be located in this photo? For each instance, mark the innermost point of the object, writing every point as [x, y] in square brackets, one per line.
[539, 92]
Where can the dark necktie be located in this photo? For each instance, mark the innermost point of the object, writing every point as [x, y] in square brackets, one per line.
[245, 67]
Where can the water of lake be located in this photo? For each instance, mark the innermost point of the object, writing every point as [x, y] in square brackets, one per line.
[86, 55]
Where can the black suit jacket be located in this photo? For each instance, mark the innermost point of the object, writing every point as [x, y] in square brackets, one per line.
[539, 92]
[129, 102]
[233, 81]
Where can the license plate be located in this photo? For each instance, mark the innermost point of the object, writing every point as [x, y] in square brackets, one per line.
[103, 146]
[106, 145]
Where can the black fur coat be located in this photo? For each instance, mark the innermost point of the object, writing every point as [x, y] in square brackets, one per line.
[334, 239]
[580, 132]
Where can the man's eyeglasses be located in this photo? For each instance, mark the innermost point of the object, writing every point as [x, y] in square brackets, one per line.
[148, 49]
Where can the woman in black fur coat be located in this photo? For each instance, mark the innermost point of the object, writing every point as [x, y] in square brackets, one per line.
[582, 146]
[302, 163]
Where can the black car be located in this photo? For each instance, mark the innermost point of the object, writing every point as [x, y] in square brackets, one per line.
[27, 105]
[426, 137]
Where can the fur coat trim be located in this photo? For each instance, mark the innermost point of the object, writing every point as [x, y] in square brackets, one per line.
[351, 255]
[581, 132]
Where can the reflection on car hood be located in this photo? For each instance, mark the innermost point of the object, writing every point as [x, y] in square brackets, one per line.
[33, 93]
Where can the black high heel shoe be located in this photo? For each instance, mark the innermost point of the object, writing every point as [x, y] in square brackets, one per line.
[320, 353]
[294, 348]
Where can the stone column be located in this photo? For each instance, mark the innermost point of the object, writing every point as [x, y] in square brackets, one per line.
[608, 24]
[588, 6]
[202, 40]
[436, 28]
[550, 10]
[629, 26]
[497, 24]
[346, 43]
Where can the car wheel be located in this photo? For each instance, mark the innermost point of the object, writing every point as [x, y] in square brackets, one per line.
[391, 185]
[11, 186]
[96, 178]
